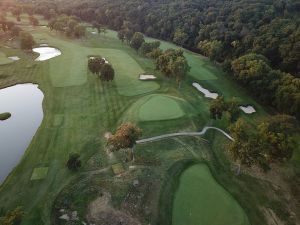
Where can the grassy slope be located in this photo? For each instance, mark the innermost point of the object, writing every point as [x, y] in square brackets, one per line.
[76, 118]
[198, 185]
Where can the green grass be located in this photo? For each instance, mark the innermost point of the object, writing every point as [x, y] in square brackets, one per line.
[5, 116]
[201, 200]
[79, 109]
[4, 60]
[39, 173]
[70, 68]
[117, 168]
[160, 107]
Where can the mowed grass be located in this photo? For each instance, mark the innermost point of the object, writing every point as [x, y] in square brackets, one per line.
[160, 107]
[70, 68]
[201, 200]
[39, 173]
[4, 60]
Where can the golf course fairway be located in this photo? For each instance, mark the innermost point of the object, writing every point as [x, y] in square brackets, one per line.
[200, 200]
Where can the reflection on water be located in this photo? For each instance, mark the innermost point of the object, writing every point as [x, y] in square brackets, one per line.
[24, 102]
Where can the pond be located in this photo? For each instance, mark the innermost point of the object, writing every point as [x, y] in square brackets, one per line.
[200, 200]
[24, 102]
[46, 53]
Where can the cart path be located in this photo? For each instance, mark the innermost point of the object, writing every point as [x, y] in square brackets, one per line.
[165, 136]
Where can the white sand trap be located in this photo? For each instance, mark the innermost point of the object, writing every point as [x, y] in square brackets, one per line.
[247, 109]
[46, 53]
[105, 60]
[94, 32]
[92, 57]
[14, 58]
[147, 77]
[206, 92]
[44, 45]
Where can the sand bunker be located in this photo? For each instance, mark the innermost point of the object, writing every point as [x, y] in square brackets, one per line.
[46, 53]
[147, 77]
[14, 58]
[94, 32]
[44, 45]
[247, 109]
[206, 92]
[92, 57]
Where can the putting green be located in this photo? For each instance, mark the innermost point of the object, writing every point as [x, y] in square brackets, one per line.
[160, 107]
[4, 60]
[200, 200]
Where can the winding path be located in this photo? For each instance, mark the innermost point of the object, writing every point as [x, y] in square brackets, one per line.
[164, 136]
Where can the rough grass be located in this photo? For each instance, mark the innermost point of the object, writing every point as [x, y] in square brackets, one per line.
[4, 60]
[201, 200]
[160, 107]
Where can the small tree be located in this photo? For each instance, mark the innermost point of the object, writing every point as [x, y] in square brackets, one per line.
[79, 31]
[217, 107]
[74, 163]
[13, 217]
[107, 72]
[121, 35]
[125, 136]
[95, 64]
[232, 108]
[137, 40]
[34, 21]
[26, 40]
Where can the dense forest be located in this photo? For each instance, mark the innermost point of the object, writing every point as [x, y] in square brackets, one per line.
[257, 42]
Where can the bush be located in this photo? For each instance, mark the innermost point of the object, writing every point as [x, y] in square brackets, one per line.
[74, 163]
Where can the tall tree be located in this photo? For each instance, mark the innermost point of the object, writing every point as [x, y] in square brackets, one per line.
[27, 41]
[137, 40]
[107, 72]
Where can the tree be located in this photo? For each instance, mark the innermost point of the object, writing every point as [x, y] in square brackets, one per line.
[13, 217]
[95, 64]
[79, 31]
[148, 47]
[179, 68]
[34, 21]
[74, 163]
[276, 136]
[217, 107]
[27, 41]
[212, 49]
[125, 137]
[232, 108]
[137, 40]
[97, 26]
[15, 31]
[245, 146]
[121, 35]
[107, 72]
[180, 37]
[250, 67]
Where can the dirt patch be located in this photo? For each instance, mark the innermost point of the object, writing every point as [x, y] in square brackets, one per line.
[100, 212]
[272, 218]
[107, 135]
